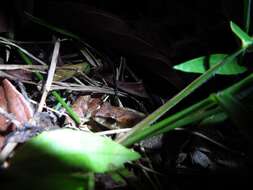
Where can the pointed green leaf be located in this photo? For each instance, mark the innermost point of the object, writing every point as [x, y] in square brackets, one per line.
[244, 37]
[66, 150]
[202, 64]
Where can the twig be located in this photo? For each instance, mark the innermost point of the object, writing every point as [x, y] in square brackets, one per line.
[15, 67]
[71, 113]
[82, 88]
[7, 150]
[50, 75]
[112, 132]
[89, 57]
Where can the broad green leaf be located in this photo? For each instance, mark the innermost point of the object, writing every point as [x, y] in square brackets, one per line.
[202, 64]
[244, 37]
[67, 71]
[66, 150]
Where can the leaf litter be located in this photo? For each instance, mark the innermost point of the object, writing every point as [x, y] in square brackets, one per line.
[100, 96]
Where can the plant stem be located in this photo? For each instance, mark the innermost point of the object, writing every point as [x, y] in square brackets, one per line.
[28, 61]
[190, 115]
[168, 125]
[247, 13]
[180, 96]
[69, 110]
[237, 88]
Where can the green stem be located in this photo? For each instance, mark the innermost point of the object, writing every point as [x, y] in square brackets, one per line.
[191, 114]
[191, 119]
[69, 110]
[29, 62]
[247, 13]
[180, 96]
[170, 123]
[237, 88]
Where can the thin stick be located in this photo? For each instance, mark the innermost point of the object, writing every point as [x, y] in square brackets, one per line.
[7, 150]
[83, 88]
[15, 67]
[112, 132]
[50, 75]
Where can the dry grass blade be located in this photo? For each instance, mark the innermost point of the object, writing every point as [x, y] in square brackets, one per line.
[113, 132]
[7, 150]
[8, 42]
[15, 67]
[50, 77]
[83, 88]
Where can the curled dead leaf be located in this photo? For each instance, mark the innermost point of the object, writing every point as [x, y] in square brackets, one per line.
[3, 105]
[16, 103]
[12, 101]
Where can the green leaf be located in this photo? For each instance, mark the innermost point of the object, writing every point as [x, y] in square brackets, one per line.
[244, 37]
[66, 150]
[135, 135]
[202, 64]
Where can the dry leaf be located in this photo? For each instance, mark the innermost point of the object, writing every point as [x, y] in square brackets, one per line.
[3, 105]
[20, 74]
[16, 102]
[12, 101]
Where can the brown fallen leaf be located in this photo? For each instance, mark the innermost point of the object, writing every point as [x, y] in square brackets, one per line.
[3, 105]
[12, 101]
[134, 88]
[20, 74]
[17, 103]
